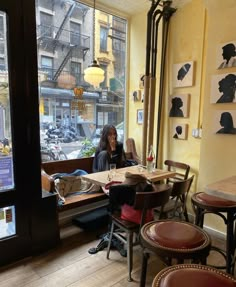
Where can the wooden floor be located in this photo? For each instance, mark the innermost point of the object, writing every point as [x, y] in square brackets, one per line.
[70, 264]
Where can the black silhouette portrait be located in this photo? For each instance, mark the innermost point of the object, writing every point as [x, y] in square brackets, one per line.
[175, 110]
[228, 54]
[179, 131]
[226, 121]
[227, 86]
[183, 71]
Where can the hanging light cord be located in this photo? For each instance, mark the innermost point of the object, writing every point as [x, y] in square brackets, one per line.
[93, 30]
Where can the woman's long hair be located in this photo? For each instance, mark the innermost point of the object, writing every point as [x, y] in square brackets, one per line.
[104, 143]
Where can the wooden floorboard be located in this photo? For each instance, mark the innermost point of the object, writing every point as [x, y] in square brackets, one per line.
[71, 265]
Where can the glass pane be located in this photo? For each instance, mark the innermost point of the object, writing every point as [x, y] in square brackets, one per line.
[70, 121]
[7, 221]
[6, 161]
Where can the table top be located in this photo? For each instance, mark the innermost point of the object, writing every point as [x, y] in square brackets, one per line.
[102, 178]
[225, 188]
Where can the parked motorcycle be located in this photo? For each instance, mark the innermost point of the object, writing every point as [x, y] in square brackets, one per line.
[51, 150]
[66, 134]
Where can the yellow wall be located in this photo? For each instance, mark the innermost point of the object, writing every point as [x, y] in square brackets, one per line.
[137, 67]
[218, 154]
[195, 31]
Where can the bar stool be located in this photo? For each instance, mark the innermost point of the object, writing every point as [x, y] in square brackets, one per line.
[170, 240]
[184, 275]
[204, 203]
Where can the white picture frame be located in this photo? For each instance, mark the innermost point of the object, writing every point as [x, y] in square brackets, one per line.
[224, 122]
[183, 74]
[179, 131]
[179, 105]
[140, 116]
[225, 55]
[223, 88]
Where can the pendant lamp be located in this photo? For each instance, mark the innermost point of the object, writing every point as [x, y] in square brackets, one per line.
[94, 75]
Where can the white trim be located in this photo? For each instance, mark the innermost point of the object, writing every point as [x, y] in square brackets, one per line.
[106, 9]
[46, 11]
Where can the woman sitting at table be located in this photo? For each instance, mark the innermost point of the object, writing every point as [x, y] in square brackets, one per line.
[109, 150]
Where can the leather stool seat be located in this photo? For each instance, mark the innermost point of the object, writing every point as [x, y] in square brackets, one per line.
[185, 275]
[204, 203]
[170, 240]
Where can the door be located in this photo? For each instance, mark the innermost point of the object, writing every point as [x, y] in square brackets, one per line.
[20, 189]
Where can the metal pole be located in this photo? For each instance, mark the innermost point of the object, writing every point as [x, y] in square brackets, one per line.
[167, 12]
[153, 77]
[147, 78]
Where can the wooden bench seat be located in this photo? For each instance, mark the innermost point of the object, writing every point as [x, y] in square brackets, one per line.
[68, 166]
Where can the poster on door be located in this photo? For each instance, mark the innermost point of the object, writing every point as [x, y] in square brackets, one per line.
[6, 173]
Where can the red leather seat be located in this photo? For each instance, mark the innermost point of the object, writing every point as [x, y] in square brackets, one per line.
[204, 203]
[186, 275]
[170, 240]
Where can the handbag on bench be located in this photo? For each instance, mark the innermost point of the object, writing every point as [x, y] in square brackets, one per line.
[68, 184]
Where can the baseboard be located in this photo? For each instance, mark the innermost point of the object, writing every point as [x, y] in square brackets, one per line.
[210, 230]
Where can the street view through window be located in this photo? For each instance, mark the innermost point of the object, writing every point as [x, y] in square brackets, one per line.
[72, 112]
[7, 213]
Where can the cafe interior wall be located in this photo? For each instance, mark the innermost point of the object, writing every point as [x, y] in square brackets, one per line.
[195, 31]
[184, 44]
[218, 153]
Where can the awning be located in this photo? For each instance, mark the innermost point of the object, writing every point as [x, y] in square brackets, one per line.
[110, 105]
[64, 94]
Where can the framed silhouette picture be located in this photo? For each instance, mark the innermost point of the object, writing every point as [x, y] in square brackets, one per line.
[179, 105]
[140, 116]
[179, 131]
[183, 74]
[226, 55]
[223, 88]
[225, 122]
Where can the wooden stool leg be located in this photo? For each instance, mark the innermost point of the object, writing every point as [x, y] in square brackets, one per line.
[229, 244]
[144, 269]
[186, 215]
[130, 254]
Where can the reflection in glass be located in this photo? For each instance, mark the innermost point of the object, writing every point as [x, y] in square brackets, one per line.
[7, 221]
[6, 161]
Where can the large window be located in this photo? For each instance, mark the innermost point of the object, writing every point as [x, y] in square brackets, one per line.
[104, 83]
[65, 49]
[118, 34]
[47, 66]
[103, 38]
[75, 33]
[46, 25]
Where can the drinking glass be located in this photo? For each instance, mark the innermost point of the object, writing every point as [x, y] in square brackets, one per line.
[112, 170]
[140, 166]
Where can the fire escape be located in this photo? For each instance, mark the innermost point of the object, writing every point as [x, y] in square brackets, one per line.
[65, 41]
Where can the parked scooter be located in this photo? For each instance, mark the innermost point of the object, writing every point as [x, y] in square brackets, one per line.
[51, 150]
[66, 134]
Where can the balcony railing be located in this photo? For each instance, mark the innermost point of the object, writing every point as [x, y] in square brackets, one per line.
[47, 34]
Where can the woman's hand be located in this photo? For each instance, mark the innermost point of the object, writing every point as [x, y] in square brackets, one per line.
[112, 142]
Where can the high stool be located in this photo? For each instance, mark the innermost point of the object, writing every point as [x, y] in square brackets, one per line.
[170, 240]
[204, 203]
[185, 275]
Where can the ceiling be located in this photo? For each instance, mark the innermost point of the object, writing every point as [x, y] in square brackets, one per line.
[132, 7]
